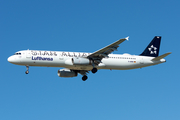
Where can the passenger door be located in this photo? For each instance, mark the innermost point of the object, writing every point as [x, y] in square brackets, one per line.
[28, 54]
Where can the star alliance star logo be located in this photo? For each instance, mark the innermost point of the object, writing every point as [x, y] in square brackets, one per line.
[152, 50]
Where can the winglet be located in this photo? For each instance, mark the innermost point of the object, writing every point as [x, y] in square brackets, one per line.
[127, 38]
[160, 57]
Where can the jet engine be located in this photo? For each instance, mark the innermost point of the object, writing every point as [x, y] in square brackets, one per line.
[66, 73]
[81, 61]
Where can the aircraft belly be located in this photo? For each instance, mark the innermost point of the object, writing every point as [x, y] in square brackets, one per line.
[75, 67]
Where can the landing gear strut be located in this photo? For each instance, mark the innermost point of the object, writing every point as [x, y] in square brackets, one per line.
[84, 78]
[27, 71]
[94, 70]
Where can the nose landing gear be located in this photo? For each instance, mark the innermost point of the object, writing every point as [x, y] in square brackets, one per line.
[27, 71]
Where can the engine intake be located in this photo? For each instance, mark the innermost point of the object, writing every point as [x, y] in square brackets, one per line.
[66, 73]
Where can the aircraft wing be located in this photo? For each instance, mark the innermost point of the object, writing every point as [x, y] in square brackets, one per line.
[104, 52]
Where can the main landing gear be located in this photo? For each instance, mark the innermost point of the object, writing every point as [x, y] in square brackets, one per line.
[94, 70]
[84, 78]
[27, 71]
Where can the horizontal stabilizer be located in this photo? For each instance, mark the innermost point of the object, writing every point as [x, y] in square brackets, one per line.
[161, 57]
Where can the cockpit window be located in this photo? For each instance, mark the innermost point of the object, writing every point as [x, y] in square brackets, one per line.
[17, 54]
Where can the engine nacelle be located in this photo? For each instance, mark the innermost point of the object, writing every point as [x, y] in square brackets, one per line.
[81, 61]
[66, 73]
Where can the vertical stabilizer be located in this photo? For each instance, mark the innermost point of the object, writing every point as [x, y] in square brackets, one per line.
[152, 49]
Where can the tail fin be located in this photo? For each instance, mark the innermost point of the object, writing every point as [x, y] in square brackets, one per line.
[152, 49]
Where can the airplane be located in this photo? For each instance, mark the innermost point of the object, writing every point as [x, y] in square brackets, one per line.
[74, 63]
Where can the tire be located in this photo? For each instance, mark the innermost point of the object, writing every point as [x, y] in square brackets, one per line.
[27, 72]
[94, 70]
[84, 78]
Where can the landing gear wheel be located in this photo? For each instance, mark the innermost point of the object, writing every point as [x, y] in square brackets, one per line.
[27, 72]
[84, 78]
[94, 70]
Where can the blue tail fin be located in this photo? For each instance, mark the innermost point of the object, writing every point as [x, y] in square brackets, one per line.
[152, 49]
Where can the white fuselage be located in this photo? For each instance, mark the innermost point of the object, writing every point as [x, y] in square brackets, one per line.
[64, 59]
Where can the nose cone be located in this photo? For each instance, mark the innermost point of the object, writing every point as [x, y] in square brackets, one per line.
[10, 59]
[14, 59]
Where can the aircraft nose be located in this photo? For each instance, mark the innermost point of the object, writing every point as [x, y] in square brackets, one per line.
[10, 59]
